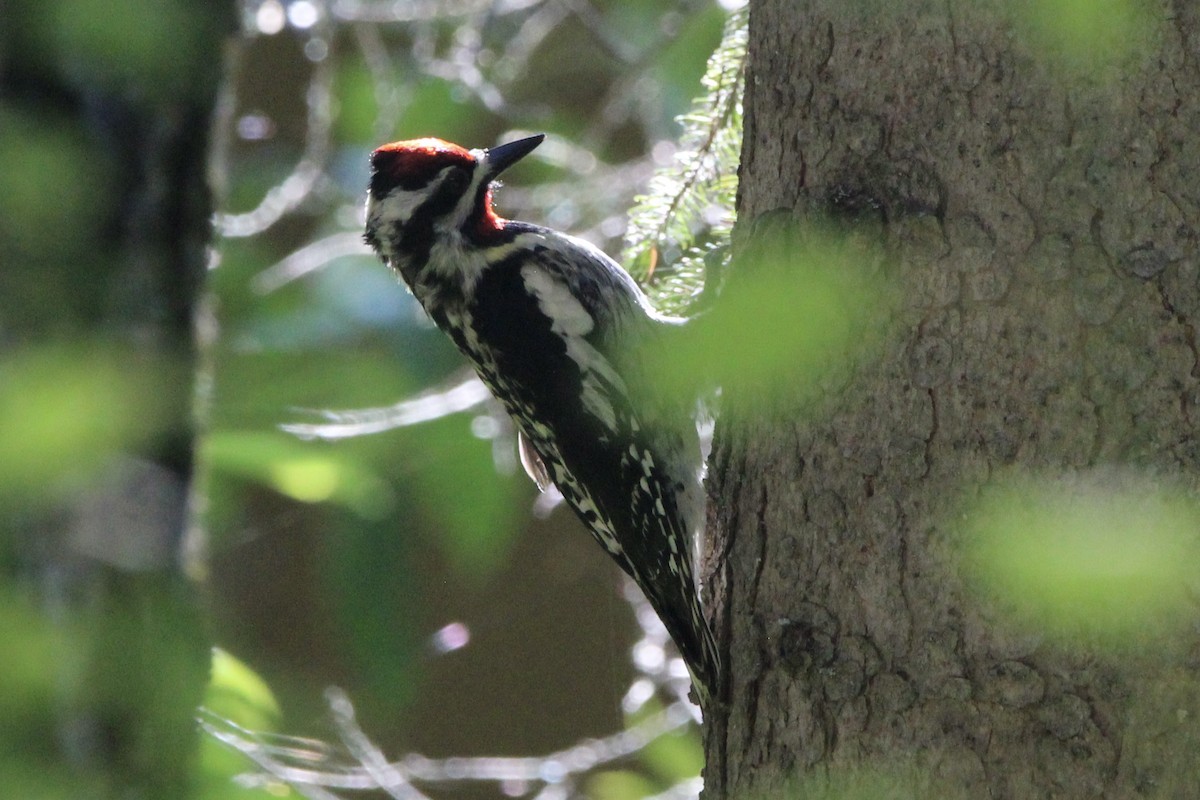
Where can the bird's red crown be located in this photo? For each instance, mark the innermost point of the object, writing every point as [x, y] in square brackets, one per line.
[416, 161]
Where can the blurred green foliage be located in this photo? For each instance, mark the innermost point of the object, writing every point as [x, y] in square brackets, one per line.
[111, 684]
[895, 780]
[30, 682]
[240, 696]
[358, 115]
[65, 411]
[302, 471]
[807, 304]
[619, 785]
[41, 149]
[1094, 556]
[102, 222]
[123, 45]
[672, 757]
[1085, 34]
[38, 149]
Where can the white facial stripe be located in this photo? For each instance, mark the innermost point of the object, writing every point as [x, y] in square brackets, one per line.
[467, 205]
[397, 207]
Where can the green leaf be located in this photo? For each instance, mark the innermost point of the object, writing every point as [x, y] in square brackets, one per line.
[1085, 33]
[40, 668]
[310, 472]
[805, 305]
[33, 646]
[377, 631]
[1096, 554]
[65, 411]
[238, 693]
[618, 785]
[474, 508]
[675, 756]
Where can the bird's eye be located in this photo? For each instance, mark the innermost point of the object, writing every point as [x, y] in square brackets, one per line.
[458, 179]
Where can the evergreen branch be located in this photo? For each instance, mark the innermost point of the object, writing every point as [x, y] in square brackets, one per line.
[672, 230]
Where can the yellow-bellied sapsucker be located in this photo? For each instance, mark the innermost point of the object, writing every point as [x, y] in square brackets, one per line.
[556, 329]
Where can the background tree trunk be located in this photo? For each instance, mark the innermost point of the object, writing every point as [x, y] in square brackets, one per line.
[1042, 227]
[104, 221]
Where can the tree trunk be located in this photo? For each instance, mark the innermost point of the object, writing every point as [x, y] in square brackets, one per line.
[1041, 221]
[104, 219]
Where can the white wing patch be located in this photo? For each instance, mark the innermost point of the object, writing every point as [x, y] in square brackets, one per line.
[568, 316]
[570, 320]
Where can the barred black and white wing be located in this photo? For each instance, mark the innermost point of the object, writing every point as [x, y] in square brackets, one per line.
[626, 461]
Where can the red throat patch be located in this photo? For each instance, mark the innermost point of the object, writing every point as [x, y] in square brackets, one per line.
[490, 223]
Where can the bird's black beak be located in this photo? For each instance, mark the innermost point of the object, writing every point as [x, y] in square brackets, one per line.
[504, 156]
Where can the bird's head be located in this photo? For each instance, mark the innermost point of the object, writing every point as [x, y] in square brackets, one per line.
[422, 189]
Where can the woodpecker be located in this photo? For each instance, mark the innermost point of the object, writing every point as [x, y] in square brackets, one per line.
[557, 331]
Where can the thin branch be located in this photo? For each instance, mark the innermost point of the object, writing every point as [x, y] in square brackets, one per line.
[425, 407]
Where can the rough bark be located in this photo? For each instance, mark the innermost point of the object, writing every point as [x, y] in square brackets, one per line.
[1042, 226]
